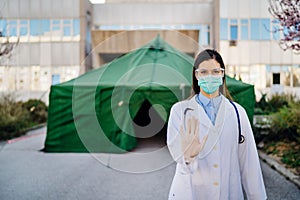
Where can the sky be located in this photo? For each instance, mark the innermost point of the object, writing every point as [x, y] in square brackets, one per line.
[97, 1]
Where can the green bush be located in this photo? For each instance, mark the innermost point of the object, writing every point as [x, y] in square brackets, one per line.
[276, 102]
[285, 123]
[37, 109]
[16, 117]
[13, 117]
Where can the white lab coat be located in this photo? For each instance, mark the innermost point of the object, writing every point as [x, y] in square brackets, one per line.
[224, 165]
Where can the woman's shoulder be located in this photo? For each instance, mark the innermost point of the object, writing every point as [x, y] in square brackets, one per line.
[231, 104]
[185, 101]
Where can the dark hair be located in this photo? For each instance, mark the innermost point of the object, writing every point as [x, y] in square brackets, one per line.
[207, 55]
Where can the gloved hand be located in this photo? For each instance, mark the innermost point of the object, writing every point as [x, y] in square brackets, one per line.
[190, 144]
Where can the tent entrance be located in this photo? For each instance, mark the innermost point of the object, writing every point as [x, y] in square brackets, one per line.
[149, 127]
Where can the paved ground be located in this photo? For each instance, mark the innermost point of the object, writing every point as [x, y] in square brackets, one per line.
[27, 173]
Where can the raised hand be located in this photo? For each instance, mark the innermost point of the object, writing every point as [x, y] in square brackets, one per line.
[190, 144]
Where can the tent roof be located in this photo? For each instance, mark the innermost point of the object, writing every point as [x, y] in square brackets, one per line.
[146, 65]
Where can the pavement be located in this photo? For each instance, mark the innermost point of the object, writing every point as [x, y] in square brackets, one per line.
[27, 173]
[280, 168]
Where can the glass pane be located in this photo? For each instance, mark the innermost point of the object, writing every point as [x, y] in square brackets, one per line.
[67, 31]
[244, 32]
[265, 29]
[67, 21]
[255, 29]
[45, 26]
[244, 21]
[233, 21]
[233, 32]
[2, 28]
[13, 22]
[224, 29]
[35, 27]
[55, 22]
[55, 79]
[76, 27]
[12, 31]
[208, 35]
[276, 78]
[23, 31]
[55, 28]
[24, 22]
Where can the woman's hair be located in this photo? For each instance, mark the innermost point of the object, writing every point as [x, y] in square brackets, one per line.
[201, 57]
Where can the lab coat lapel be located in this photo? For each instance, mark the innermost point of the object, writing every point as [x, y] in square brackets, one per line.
[213, 132]
[200, 113]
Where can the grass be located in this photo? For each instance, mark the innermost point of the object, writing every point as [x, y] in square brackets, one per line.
[286, 152]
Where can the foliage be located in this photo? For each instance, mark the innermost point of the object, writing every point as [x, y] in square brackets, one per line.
[13, 117]
[16, 117]
[287, 14]
[264, 106]
[287, 151]
[285, 123]
[37, 110]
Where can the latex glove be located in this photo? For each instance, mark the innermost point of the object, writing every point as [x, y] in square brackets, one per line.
[190, 144]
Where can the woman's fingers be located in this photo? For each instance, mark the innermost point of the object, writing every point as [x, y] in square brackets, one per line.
[188, 131]
[202, 143]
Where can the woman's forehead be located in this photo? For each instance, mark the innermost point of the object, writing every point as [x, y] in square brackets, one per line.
[209, 64]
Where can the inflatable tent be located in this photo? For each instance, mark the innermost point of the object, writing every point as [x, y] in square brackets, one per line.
[95, 112]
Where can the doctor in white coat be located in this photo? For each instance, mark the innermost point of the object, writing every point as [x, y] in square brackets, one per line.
[211, 140]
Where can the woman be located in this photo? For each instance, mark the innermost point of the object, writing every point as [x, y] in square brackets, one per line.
[213, 160]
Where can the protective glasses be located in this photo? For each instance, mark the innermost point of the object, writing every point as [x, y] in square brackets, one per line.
[205, 72]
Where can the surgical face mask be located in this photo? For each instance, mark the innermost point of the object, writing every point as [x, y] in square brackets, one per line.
[210, 84]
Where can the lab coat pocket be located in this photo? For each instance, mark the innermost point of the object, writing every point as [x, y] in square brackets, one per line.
[181, 188]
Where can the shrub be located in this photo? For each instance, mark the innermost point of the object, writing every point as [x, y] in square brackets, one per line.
[16, 117]
[37, 109]
[285, 123]
[264, 106]
[13, 117]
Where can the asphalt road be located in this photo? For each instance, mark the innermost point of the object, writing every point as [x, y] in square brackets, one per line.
[27, 173]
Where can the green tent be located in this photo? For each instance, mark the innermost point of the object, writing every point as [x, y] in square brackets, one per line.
[95, 112]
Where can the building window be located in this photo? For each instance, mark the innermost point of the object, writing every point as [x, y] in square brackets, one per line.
[204, 32]
[67, 27]
[23, 27]
[55, 25]
[12, 27]
[260, 29]
[233, 29]
[265, 29]
[244, 29]
[275, 29]
[276, 78]
[55, 79]
[76, 27]
[45, 26]
[2, 28]
[35, 27]
[255, 29]
[224, 29]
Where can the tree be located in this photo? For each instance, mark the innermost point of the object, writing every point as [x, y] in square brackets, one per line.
[6, 46]
[287, 14]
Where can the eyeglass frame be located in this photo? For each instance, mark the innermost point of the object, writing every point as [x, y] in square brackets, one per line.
[221, 72]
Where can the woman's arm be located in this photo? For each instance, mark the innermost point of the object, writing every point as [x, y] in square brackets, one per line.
[174, 141]
[251, 173]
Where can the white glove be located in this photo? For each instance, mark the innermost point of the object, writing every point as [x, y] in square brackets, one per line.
[190, 144]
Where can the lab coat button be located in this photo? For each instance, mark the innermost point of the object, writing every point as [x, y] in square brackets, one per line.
[216, 166]
[216, 184]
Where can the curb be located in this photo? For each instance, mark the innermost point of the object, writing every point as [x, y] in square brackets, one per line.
[279, 168]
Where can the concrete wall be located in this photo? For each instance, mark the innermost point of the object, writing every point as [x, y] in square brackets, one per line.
[144, 14]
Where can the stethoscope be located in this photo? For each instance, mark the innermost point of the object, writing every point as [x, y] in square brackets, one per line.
[241, 137]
